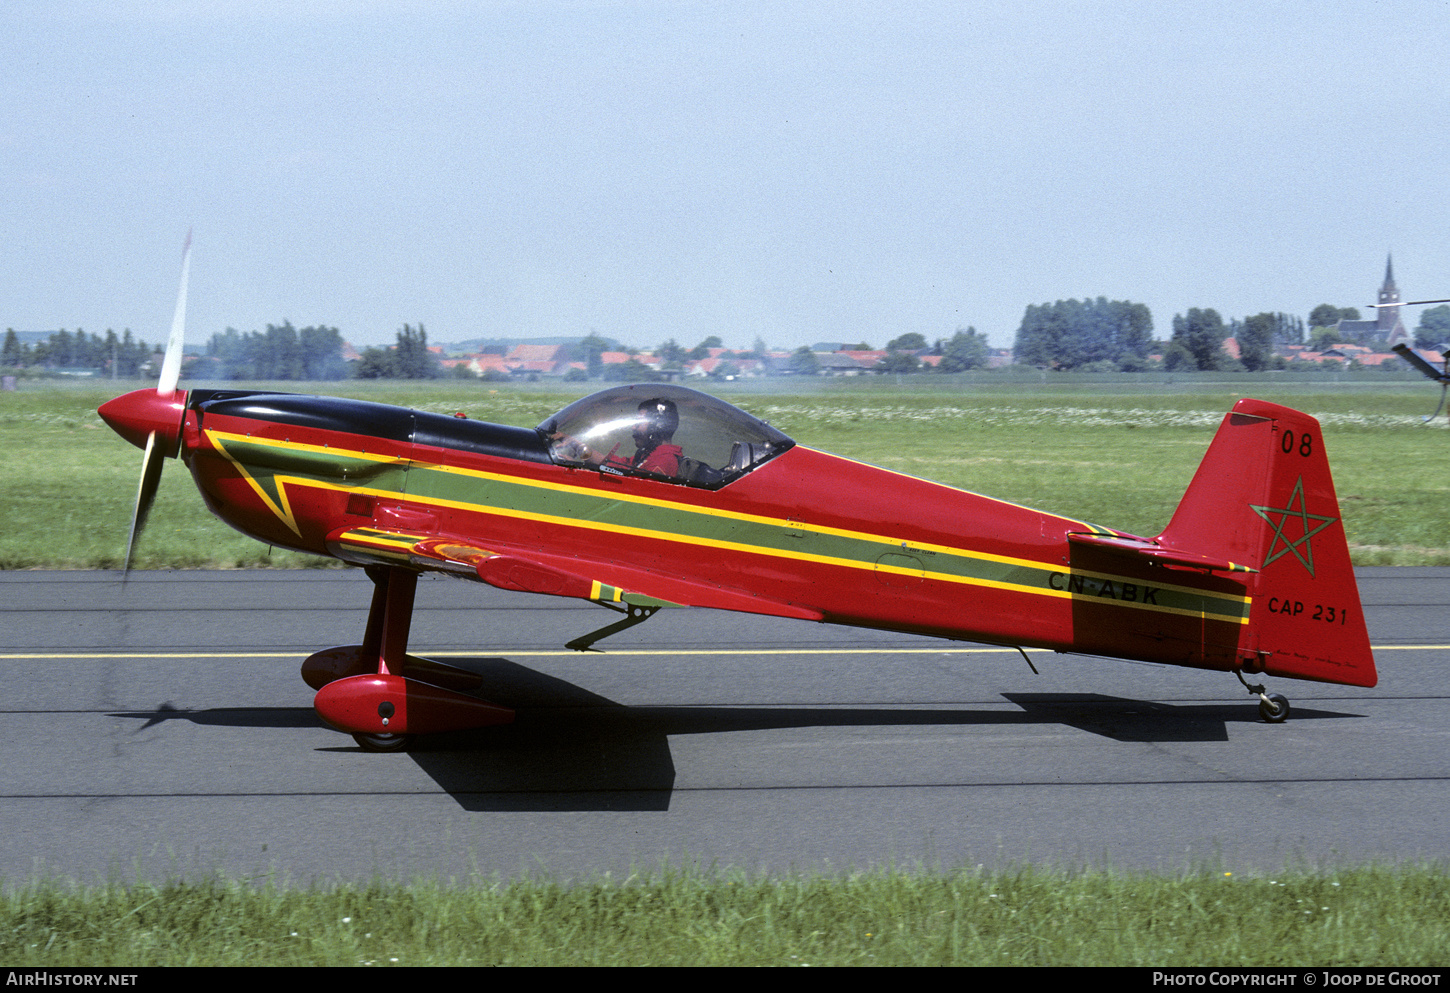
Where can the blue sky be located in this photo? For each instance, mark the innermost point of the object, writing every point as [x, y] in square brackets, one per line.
[796, 172]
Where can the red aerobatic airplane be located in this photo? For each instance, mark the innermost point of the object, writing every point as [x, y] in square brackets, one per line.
[650, 496]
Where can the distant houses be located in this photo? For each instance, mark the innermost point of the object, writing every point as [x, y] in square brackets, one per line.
[1340, 354]
[529, 361]
[560, 361]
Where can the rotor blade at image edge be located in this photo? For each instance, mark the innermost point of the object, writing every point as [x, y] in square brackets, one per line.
[1408, 354]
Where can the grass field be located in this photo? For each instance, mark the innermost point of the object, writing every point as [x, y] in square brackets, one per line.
[1105, 453]
[1362, 917]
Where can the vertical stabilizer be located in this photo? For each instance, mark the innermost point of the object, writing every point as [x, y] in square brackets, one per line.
[1263, 496]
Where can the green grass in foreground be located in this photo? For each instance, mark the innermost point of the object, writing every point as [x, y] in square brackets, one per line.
[1102, 453]
[1360, 917]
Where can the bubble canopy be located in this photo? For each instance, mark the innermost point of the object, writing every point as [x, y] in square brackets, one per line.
[718, 442]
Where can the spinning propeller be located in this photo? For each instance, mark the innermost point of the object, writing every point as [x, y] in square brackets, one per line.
[151, 419]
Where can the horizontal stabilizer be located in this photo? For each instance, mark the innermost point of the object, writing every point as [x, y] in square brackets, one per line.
[1152, 551]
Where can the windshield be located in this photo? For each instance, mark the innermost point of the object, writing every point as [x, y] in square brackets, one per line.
[666, 432]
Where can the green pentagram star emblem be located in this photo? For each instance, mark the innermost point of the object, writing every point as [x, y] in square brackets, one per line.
[1307, 526]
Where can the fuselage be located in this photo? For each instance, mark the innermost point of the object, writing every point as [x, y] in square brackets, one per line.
[852, 543]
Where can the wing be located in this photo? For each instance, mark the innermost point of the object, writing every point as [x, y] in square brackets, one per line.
[531, 571]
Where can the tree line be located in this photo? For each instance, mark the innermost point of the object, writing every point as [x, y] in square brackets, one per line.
[118, 355]
[1095, 335]
[1103, 335]
[285, 352]
[281, 352]
[1434, 329]
[1117, 335]
[1198, 338]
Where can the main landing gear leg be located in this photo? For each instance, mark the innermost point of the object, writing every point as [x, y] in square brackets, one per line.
[1273, 707]
[389, 620]
[380, 694]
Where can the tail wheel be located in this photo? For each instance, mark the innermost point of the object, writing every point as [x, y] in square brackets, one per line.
[1274, 709]
[400, 742]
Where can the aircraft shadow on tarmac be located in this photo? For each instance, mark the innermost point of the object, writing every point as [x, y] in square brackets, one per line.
[570, 749]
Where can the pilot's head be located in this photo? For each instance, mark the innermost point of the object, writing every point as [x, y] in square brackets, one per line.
[658, 420]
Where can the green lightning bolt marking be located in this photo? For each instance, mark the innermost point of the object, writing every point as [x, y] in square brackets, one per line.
[1299, 547]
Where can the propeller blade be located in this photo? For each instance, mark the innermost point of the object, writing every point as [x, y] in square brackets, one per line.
[171, 362]
[1407, 303]
[145, 494]
[156, 445]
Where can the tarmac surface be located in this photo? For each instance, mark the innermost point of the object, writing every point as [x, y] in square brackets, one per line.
[159, 729]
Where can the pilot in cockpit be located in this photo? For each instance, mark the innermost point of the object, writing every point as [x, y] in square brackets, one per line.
[654, 451]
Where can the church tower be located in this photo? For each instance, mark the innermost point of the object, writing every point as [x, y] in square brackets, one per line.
[1387, 325]
[1389, 311]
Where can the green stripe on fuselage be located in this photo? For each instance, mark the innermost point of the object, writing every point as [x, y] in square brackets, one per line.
[558, 503]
